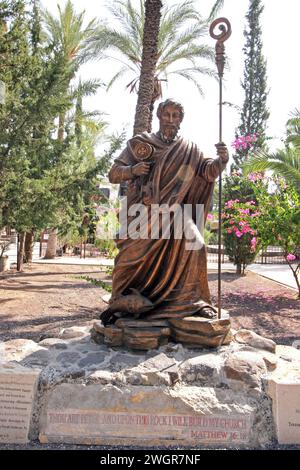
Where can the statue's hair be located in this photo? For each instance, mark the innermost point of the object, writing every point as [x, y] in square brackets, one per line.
[170, 102]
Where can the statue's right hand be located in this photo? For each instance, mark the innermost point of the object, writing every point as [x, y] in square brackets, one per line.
[141, 169]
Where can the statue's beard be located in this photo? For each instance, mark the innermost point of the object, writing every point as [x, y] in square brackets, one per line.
[169, 132]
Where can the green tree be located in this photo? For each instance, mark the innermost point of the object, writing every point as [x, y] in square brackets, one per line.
[47, 181]
[254, 114]
[279, 221]
[35, 78]
[69, 36]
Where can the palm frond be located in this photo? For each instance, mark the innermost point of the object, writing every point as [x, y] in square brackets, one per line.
[108, 38]
[285, 163]
[67, 32]
[188, 37]
[189, 53]
[293, 129]
[116, 77]
[181, 28]
[215, 9]
[129, 18]
[189, 75]
[86, 88]
[173, 18]
[295, 141]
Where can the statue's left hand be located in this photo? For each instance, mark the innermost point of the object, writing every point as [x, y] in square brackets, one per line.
[222, 152]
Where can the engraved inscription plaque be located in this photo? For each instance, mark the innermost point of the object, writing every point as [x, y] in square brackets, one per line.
[96, 425]
[288, 412]
[17, 389]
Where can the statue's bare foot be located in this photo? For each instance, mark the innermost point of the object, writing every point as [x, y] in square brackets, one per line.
[208, 312]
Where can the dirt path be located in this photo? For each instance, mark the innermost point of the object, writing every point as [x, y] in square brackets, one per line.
[45, 298]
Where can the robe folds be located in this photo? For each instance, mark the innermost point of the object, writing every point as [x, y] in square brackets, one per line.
[164, 270]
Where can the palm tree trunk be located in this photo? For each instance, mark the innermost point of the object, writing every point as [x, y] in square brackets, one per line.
[51, 245]
[149, 60]
[151, 113]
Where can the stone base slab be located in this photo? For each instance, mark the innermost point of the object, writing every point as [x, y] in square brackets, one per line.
[144, 415]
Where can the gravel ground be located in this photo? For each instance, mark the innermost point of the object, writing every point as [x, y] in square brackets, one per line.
[45, 298]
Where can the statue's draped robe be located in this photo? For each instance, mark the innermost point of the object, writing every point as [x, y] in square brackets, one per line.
[163, 270]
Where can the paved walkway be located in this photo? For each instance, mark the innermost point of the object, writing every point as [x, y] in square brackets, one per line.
[76, 261]
[276, 272]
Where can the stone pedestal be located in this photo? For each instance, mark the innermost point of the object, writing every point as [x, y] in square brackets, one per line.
[93, 393]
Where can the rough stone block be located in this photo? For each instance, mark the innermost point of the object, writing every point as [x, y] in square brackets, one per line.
[202, 326]
[245, 367]
[198, 340]
[255, 340]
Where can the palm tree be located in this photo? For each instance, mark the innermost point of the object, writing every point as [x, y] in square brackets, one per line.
[68, 36]
[179, 50]
[147, 80]
[293, 129]
[285, 162]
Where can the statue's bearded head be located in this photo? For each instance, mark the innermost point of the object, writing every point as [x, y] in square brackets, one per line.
[170, 114]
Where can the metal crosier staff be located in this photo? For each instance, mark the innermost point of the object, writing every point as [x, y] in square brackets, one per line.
[223, 35]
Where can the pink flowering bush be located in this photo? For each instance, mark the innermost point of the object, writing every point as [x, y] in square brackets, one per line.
[240, 232]
[244, 141]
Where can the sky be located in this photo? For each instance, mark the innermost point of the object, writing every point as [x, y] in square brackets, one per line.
[280, 26]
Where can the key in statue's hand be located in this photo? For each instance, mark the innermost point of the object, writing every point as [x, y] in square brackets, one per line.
[141, 169]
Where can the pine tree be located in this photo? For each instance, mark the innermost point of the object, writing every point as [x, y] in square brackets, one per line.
[254, 113]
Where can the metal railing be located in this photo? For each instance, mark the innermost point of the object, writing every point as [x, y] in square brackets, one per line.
[272, 255]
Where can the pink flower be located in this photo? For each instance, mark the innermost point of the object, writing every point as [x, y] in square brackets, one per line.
[238, 233]
[291, 257]
[246, 229]
[253, 244]
[244, 141]
[255, 177]
[245, 211]
[210, 217]
[229, 230]
[231, 222]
